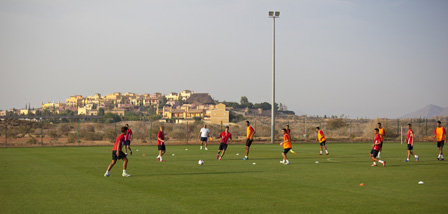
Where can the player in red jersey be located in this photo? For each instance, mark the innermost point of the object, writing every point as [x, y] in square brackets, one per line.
[161, 144]
[440, 138]
[127, 140]
[225, 136]
[410, 144]
[117, 153]
[376, 147]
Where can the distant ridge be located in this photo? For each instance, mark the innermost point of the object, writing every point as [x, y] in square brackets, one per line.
[428, 111]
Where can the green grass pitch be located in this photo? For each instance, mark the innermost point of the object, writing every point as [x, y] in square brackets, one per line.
[70, 180]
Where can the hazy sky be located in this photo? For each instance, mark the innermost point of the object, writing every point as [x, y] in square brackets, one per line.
[358, 58]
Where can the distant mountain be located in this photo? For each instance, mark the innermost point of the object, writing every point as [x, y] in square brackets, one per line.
[428, 111]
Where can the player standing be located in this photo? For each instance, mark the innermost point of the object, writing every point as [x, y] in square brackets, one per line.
[376, 147]
[322, 140]
[127, 140]
[286, 146]
[225, 136]
[161, 144]
[440, 137]
[288, 131]
[382, 134]
[249, 139]
[203, 134]
[117, 153]
[410, 143]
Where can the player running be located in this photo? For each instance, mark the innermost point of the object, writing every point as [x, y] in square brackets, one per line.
[225, 136]
[410, 143]
[440, 137]
[376, 147]
[127, 140]
[286, 146]
[322, 140]
[249, 139]
[203, 134]
[382, 134]
[117, 153]
[161, 144]
[288, 131]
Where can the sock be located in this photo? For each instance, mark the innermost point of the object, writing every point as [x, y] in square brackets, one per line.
[443, 157]
[245, 156]
[219, 158]
[320, 152]
[380, 161]
[158, 156]
[407, 158]
[374, 163]
[326, 151]
[107, 171]
[438, 156]
[287, 161]
[379, 153]
[415, 156]
[161, 158]
[283, 160]
[124, 171]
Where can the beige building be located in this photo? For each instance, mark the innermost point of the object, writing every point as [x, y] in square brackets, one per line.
[219, 114]
[185, 94]
[74, 101]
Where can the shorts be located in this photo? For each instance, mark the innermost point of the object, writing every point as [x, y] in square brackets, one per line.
[410, 147]
[440, 144]
[127, 142]
[323, 143]
[374, 153]
[222, 146]
[161, 147]
[121, 155]
[249, 142]
[286, 150]
[381, 144]
[204, 139]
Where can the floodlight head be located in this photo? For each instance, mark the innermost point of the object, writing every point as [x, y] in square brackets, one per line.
[274, 14]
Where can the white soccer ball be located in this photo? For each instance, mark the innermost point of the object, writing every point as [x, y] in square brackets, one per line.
[201, 162]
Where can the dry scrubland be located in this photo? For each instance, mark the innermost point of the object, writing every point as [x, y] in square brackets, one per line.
[29, 133]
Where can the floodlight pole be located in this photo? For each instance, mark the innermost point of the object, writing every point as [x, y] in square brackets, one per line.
[273, 15]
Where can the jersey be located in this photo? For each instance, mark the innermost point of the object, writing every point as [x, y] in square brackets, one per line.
[119, 143]
[440, 134]
[160, 135]
[320, 136]
[377, 140]
[250, 132]
[204, 132]
[409, 138]
[382, 134]
[286, 142]
[288, 131]
[128, 134]
[225, 137]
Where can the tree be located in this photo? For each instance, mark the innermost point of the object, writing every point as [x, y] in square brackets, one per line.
[111, 118]
[162, 101]
[263, 105]
[131, 116]
[244, 100]
[101, 112]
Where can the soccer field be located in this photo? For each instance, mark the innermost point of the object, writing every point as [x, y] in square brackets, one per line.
[70, 180]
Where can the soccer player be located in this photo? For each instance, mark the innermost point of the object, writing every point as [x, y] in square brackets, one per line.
[161, 144]
[249, 139]
[288, 131]
[410, 143]
[322, 140]
[440, 137]
[376, 147]
[382, 134]
[127, 140]
[225, 136]
[286, 146]
[117, 153]
[203, 134]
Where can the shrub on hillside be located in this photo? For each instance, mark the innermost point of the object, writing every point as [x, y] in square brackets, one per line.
[336, 123]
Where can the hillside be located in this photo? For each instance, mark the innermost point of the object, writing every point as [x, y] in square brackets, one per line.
[428, 111]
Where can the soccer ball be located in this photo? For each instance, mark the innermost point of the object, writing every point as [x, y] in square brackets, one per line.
[201, 162]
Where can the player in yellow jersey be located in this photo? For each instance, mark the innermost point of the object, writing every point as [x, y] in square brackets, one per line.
[322, 140]
[286, 146]
[382, 133]
[440, 138]
[249, 139]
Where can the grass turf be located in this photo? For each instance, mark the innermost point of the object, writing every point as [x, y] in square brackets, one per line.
[70, 180]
